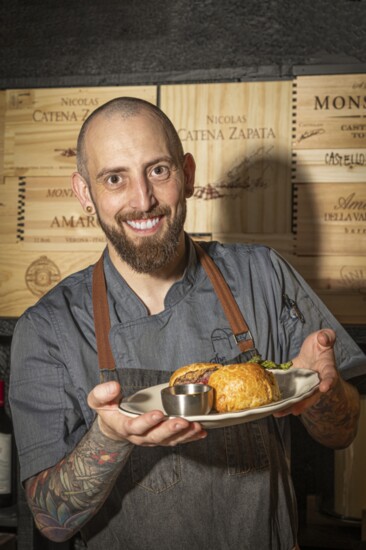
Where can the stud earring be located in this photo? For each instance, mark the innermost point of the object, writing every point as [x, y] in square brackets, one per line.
[89, 209]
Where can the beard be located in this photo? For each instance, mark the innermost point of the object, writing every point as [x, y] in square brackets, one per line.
[151, 253]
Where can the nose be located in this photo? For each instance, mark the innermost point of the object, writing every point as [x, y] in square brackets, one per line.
[142, 195]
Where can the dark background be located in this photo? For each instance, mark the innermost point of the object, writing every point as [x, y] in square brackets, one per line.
[47, 43]
[44, 43]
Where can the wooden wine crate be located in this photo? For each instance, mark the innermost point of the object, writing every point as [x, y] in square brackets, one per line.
[337, 273]
[330, 165]
[44, 214]
[340, 281]
[11, 212]
[240, 136]
[329, 176]
[42, 125]
[333, 273]
[26, 275]
[330, 112]
[349, 309]
[271, 157]
[331, 219]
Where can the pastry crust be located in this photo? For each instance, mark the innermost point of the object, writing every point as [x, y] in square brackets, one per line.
[243, 386]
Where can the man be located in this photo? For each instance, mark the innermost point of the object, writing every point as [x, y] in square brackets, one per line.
[147, 481]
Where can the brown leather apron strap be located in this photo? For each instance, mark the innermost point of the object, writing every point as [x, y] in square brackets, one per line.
[102, 321]
[242, 334]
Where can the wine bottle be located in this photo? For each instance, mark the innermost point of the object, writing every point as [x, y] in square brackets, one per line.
[5, 452]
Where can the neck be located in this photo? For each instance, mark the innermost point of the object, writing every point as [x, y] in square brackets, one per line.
[152, 288]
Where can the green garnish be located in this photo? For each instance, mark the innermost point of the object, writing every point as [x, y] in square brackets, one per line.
[270, 364]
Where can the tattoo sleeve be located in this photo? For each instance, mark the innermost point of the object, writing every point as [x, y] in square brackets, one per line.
[64, 497]
[333, 420]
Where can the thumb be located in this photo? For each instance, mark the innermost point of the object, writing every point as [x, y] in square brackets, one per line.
[104, 394]
[326, 338]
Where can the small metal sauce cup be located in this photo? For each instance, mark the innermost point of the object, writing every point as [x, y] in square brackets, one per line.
[187, 399]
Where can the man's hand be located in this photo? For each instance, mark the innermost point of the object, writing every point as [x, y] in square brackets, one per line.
[331, 414]
[149, 429]
[316, 354]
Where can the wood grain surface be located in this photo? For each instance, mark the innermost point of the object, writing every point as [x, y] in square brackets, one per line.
[331, 219]
[240, 136]
[330, 112]
[42, 125]
[26, 275]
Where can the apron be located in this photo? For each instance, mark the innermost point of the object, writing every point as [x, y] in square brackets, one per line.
[211, 494]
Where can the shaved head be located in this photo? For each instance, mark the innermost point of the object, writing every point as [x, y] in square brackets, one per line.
[127, 107]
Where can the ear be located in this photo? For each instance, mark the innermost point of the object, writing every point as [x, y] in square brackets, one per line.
[189, 169]
[82, 191]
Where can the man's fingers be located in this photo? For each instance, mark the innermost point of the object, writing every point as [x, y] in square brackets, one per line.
[155, 422]
[139, 425]
[149, 429]
[155, 428]
[104, 394]
[328, 378]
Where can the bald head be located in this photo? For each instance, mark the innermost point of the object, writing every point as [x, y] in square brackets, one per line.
[126, 107]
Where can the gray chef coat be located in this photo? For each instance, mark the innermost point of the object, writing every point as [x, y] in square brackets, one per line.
[231, 490]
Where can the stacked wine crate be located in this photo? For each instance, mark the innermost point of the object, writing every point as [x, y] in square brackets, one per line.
[45, 235]
[329, 153]
[281, 163]
[284, 164]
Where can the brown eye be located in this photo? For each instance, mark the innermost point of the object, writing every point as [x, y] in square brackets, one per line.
[160, 171]
[114, 180]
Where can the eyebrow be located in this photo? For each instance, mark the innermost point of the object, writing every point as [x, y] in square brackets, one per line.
[119, 169]
[115, 170]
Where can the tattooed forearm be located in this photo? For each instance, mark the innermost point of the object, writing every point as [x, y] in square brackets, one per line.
[66, 496]
[333, 420]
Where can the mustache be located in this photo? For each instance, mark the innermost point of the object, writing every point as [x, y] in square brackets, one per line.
[139, 215]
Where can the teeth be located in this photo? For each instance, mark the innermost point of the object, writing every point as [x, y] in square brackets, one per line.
[143, 224]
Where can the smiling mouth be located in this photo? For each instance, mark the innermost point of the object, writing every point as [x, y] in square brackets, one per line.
[143, 224]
